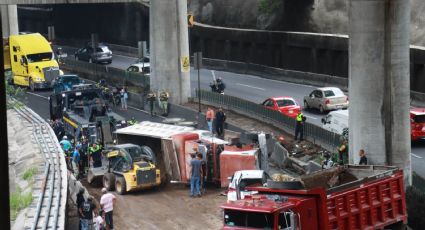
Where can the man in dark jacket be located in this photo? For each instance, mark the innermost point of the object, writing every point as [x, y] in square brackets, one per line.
[220, 118]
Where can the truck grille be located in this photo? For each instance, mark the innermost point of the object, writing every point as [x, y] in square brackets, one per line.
[50, 73]
[146, 177]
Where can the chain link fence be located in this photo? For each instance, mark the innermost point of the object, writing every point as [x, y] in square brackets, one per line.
[313, 133]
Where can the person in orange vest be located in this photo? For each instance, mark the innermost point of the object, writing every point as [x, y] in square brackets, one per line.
[210, 119]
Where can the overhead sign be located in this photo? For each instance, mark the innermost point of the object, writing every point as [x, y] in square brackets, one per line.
[185, 64]
[190, 20]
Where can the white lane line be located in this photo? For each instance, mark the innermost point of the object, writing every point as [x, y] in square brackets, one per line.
[416, 156]
[314, 118]
[37, 95]
[250, 86]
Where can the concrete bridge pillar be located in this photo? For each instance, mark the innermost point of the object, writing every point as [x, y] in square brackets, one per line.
[9, 19]
[169, 44]
[379, 82]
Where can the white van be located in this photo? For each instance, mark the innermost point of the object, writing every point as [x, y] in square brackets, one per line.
[336, 121]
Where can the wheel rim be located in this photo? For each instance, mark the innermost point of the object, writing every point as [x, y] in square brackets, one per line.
[118, 186]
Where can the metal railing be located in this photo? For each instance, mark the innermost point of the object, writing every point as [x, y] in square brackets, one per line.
[96, 72]
[312, 132]
[418, 182]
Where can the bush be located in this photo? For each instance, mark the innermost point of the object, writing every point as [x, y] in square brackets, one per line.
[19, 201]
[415, 200]
[28, 174]
[15, 92]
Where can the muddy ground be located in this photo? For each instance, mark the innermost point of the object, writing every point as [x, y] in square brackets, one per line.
[167, 207]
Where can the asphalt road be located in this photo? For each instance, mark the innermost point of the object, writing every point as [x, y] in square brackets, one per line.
[257, 89]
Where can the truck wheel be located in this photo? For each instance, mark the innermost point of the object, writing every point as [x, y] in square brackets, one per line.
[31, 85]
[120, 185]
[109, 181]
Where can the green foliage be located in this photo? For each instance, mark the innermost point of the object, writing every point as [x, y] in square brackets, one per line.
[29, 174]
[268, 6]
[15, 92]
[19, 201]
[415, 200]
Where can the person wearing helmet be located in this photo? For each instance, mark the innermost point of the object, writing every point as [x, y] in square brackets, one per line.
[66, 143]
[132, 121]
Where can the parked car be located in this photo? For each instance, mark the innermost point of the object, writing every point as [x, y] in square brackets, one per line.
[326, 99]
[65, 82]
[336, 121]
[417, 123]
[102, 54]
[145, 59]
[143, 67]
[245, 178]
[285, 105]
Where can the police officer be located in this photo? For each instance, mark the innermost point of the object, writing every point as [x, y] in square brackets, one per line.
[151, 101]
[132, 121]
[96, 155]
[163, 98]
[299, 127]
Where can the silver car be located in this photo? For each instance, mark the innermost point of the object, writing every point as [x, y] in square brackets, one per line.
[326, 99]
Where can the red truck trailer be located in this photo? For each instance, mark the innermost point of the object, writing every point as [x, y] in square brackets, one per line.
[349, 197]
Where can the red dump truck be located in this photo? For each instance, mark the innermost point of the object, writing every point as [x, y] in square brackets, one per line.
[349, 197]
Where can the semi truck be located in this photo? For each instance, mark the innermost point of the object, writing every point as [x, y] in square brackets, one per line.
[83, 112]
[345, 197]
[31, 60]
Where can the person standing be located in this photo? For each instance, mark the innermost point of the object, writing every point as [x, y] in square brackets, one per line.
[75, 161]
[299, 127]
[95, 155]
[83, 155]
[151, 99]
[124, 97]
[86, 210]
[363, 158]
[107, 202]
[163, 98]
[210, 119]
[203, 172]
[195, 174]
[220, 118]
[343, 153]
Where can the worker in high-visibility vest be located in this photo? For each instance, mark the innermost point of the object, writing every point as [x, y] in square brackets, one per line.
[299, 128]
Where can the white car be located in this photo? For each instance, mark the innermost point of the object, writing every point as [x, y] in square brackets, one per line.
[336, 121]
[246, 178]
[326, 99]
[142, 67]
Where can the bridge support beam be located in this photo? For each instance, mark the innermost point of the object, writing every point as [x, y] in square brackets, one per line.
[9, 19]
[379, 82]
[169, 45]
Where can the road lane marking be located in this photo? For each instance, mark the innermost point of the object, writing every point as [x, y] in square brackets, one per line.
[314, 118]
[416, 156]
[250, 86]
[37, 95]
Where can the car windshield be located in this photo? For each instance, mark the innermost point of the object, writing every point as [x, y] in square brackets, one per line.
[236, 218]
[333, 92]
[40, 57]
[419, 118]
[71, 80]
[103, 49]
[135, 153]
[285, 102]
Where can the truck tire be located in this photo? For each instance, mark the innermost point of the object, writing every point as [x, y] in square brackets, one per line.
[31, 85]
[120, 185]
[109, 181]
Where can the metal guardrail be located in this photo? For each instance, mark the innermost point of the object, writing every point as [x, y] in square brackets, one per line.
[312, 132]
[50, 209]
[418, 182]
[95, 72]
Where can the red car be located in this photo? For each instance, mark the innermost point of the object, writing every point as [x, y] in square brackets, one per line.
[285, 105]
[417, 123]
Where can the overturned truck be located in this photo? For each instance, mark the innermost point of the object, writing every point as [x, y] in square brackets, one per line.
[174, 145]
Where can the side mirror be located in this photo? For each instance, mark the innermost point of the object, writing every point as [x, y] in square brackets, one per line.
[23, 61]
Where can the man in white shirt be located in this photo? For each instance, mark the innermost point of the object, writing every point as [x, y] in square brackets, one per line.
[107, 202]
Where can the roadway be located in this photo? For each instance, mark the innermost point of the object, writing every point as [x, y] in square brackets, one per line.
[252, 88]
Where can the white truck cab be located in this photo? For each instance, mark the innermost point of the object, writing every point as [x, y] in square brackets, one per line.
[245, 178]
[336, 121]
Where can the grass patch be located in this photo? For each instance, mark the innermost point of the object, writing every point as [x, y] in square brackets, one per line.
[268, 6]
[29, 174]
[19, 201]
